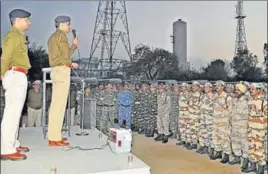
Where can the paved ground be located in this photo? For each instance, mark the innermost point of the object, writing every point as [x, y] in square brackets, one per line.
[171, 159]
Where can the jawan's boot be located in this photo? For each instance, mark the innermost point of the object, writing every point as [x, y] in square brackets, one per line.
[216, 156]
[200, 149]
[186, 145]
[205, 150]
[244, 164]
[225, 158]
[165, 140]
[159, 137]
[260, 169]
[193, 146]
[182, 143]
[236, 160]
[211, 153]
[251, 168]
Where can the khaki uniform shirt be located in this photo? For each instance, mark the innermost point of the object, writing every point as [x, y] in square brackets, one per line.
[14, 51]
[59, 51]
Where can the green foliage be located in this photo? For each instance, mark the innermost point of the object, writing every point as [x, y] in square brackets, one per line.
[38, 59]
[244, 64]
[151, 63]
[215, 71]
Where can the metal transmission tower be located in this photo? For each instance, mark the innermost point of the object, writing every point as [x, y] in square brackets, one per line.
[107, 34]
[241, 42]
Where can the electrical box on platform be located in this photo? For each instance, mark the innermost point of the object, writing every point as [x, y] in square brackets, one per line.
[120, 140]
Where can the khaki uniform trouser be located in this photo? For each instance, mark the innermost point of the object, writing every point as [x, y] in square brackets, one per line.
[60, 76]
[34, 117]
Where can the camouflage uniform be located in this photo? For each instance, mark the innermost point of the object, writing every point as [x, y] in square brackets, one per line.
[174, 114]
[257, 124]
[99, 106]
[144, 110]
[239, 125]
[163, 111]
[221, 125]
[151, 122]
[205, 138]
[183, 119]
[108, 116]
[135, 110]
[192, 132]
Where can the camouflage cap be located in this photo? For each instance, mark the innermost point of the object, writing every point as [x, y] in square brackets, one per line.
[208, 84]
[220, 82]
[195, 83]
[256, 85]
[62, 19]
[184, 84]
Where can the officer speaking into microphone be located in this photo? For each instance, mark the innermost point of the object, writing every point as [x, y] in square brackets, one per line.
[60, 61]
[14, 67]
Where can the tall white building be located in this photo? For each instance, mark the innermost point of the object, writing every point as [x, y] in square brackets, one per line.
[180, 43]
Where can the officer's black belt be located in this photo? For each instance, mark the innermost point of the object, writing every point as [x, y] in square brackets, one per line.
[99, 105]
[108, 105]
[125, 105]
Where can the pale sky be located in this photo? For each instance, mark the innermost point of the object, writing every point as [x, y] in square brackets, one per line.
[211, 25]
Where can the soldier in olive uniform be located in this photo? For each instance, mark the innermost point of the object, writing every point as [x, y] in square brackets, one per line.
[144, 109]
[152, 103]
[136, 108]
[99, 104]
[60, 62]
[14, 67]
[109, 106]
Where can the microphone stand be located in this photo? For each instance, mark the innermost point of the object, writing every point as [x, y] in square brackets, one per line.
[82, 133]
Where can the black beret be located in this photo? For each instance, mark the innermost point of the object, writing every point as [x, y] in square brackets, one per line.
[62, 19]
[19, 13]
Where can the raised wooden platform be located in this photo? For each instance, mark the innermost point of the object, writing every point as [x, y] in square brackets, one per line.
[41, 157]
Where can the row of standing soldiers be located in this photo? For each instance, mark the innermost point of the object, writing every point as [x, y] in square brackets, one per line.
[222, 121]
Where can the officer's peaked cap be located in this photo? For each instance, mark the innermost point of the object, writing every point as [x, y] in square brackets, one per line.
[62, 19]
[19, 13]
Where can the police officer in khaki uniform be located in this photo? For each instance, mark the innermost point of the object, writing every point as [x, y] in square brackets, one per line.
[60, 61]
[14, 67]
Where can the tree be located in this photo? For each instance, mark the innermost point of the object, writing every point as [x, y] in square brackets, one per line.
[265, 53]
[215, 71]
[243, 63]
[151, 63]
[38, 60]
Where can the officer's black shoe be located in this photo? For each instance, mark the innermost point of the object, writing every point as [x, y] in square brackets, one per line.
[236, 160]
[187, 145]
[180, 143]
[260, 169]
[141, 131]
[165, 140]
[205, 150]
[159, 137]
[193, 146]
[200, 149]
[251, 168]
[244, 164]
[216, 156]
[225, 158]
[179, 137]
[211, 153]
[170, 135]
[149, 133]
[266, 166]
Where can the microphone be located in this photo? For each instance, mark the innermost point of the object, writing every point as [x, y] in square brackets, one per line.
[74, 33]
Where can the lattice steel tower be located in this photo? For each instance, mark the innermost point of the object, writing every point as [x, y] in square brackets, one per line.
[107, 33]
[241, 42]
